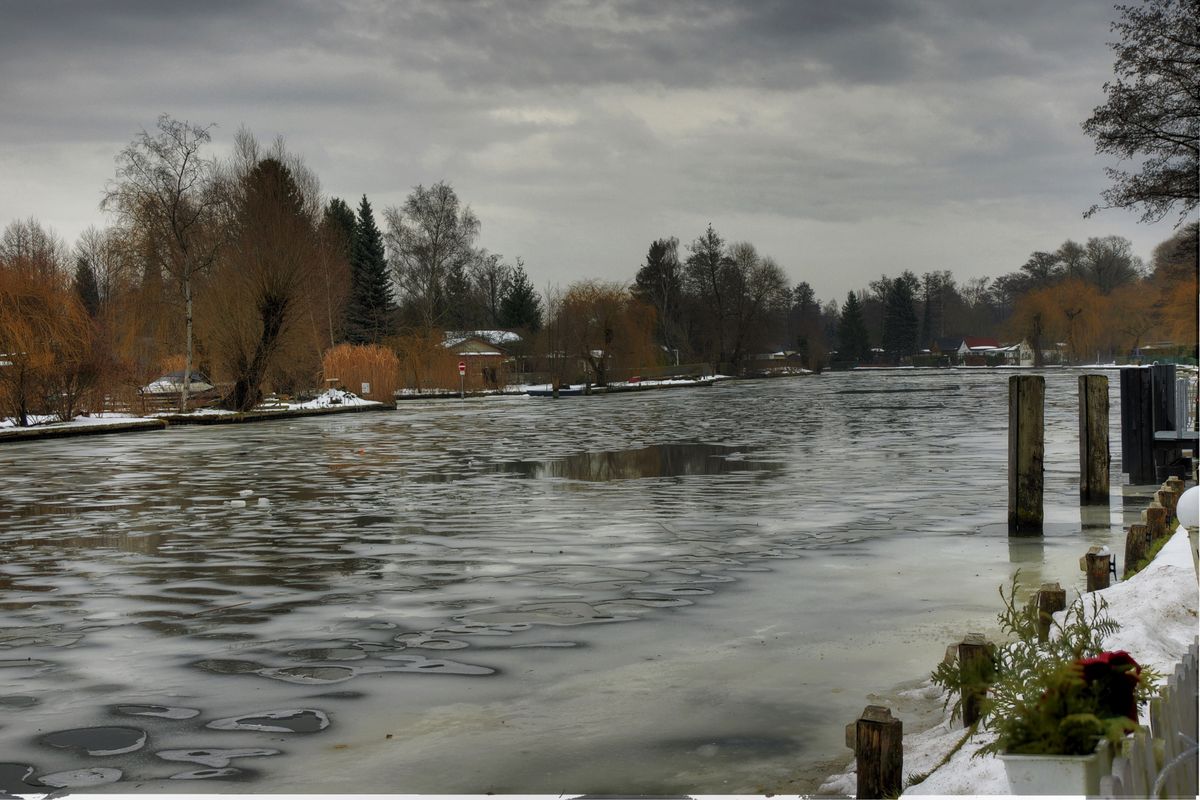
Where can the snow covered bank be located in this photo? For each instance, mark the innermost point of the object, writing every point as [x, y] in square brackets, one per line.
[1157, 610]
[93, 420]
[330, 401]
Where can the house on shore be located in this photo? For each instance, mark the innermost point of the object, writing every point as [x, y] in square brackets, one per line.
[487, 355]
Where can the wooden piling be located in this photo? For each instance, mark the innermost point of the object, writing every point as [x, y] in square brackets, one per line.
[1026, 450]
[1137, 545]
[1137, 425]
[1156, 521]
[1167, 498]
[1097, 563]
[1176, 484]
[878, 751]
[975, 671]
[1049, 599]
[1093, 439]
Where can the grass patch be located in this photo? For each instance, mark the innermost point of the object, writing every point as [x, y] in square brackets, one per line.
[1150, 554]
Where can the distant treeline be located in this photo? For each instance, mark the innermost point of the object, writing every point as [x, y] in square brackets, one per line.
[243, 270]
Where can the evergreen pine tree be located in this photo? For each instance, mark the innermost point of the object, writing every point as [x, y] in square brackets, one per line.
[86, 287]
[521, 306]
[852, 331]
[339, 218]
[370, 310]
[900, 324]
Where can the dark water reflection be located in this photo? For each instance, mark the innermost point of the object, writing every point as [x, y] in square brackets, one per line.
[656, 461]
[661, 592]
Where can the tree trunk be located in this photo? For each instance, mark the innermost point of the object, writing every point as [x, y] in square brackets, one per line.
[187, 357]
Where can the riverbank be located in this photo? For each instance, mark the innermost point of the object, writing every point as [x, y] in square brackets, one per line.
[330, 402]
[1157, 610]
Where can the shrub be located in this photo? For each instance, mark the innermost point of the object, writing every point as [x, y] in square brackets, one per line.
[352, 365]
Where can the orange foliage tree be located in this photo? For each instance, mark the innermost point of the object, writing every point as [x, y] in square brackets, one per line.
[1072, 312]
[607, 329]
[46, 339]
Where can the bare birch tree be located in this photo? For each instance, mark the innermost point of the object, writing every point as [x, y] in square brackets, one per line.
[165, 187]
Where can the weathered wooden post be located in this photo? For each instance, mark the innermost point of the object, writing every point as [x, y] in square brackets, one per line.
[1049, 599]
[1167, 498]
[1093, 439]
[1098, 564]
[1137, 544]
[975, 654]
[876, 738]
[1176, 484]
[1156, 520]
[1026, 450]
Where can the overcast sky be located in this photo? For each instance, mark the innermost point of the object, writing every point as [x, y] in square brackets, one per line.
[846, 139]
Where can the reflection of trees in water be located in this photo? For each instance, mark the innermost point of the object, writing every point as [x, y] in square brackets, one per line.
[657, 461]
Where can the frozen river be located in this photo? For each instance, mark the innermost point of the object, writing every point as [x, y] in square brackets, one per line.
[689, 590]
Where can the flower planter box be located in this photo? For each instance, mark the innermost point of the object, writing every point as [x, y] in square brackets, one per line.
[1051, 774]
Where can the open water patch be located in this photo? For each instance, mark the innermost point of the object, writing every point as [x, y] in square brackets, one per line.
[14, 778]
[102, 741]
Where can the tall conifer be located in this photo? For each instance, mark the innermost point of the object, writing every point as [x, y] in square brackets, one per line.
[521, 306]
[370, 310]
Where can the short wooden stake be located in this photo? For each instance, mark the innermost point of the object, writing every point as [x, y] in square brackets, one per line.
[1167, 499]
[1049, 599]
[877, 740]
[1175, 483]
[1156, 521]
[1093, 439]
[1026, 451]
[974, 668]
[1137, 544]
[1097, 563]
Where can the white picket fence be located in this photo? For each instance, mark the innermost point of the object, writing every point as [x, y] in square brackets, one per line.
[1162, 762]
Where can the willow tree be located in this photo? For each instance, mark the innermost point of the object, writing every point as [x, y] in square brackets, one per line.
[166, 188]
[268, 280]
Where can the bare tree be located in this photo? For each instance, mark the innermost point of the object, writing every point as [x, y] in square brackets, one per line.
[166, 187]
[431, 244]
[1152, 112]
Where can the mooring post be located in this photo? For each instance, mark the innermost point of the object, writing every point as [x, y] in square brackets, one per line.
[1137, 544]
[1167, 498]
[876, 738]
[1098, 564]
[1156, 520]
[1093, 439]
[1026, 450]
[975, 655]
[1137, 425]
[1049, 599]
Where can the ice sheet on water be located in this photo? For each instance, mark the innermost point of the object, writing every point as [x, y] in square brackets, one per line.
[362, 544]
[299, 720]
[82, 778]
[216, 757]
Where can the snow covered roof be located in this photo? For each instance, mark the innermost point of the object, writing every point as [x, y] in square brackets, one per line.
[497, 337]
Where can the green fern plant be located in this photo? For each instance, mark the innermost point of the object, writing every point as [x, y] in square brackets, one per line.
[1022, 671]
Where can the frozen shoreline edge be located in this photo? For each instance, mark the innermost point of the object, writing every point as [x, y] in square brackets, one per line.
[1157, 609]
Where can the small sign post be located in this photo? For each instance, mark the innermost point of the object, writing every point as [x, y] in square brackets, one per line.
[462, 380]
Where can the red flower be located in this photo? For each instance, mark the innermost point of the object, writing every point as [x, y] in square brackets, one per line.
[1113, 678]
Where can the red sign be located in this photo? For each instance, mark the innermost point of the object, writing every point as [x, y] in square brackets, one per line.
[462, 368]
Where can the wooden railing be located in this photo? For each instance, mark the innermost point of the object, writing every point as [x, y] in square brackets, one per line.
[1162, 761]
